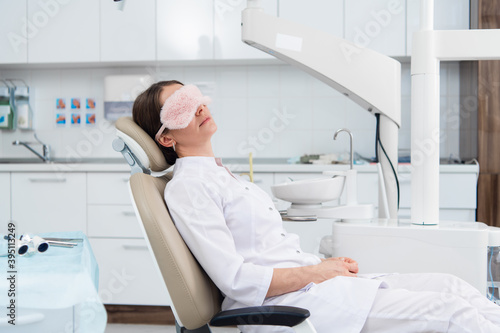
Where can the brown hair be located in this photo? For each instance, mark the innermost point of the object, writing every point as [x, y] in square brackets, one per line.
[146, 114]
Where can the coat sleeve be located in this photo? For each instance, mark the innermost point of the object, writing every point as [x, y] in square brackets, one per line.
[198, 215]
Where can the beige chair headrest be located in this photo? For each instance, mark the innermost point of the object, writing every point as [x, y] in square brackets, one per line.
[141, 144]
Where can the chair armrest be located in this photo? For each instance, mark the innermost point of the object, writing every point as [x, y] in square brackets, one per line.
[261, 315]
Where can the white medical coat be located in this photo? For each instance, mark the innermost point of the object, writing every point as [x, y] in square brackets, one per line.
[233, 229]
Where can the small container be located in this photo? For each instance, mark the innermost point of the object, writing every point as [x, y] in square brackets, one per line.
[493, 265]
[23, 113]
[6, 110]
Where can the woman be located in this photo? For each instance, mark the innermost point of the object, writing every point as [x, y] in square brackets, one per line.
[236, 234]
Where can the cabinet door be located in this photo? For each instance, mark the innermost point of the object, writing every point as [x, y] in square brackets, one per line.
[44, 202]
[184, 29]
[108, 188]
[227, 24]
[324, 15]
[13, 33]
[377, 24]
[128, 34]
[4, 200]
[63, 31]
[448, 15]
[127, 274]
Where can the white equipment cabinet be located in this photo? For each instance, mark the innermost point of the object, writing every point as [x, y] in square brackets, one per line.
[63, 31]
[51, 201]
[13, 34]
[128, 34]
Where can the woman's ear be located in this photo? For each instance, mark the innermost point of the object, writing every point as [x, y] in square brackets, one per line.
[166, 141]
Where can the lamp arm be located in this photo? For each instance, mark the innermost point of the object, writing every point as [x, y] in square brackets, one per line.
[369, 78]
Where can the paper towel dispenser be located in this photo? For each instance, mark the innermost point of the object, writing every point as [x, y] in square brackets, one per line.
[120, 92]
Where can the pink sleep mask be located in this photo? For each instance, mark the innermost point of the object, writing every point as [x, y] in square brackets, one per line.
[179, 109]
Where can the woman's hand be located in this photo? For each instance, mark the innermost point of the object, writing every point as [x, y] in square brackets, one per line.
[332, 267]
[286, 280]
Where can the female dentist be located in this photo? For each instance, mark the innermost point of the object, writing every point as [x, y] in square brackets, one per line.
[232, 228]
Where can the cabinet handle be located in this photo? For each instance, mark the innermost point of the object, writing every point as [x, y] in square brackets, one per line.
[135, 247]
[128, 213]
[47, 180]
[125, 180]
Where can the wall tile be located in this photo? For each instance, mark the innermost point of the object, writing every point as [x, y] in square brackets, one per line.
[75, 83]
[294, 82]
[47, 83]
[231, 114]
[298, 113]
[262, 113]
[295, 143]
[231, 81]
[329, 113]
[263, 81]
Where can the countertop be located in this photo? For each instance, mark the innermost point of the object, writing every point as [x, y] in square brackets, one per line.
[236, 165]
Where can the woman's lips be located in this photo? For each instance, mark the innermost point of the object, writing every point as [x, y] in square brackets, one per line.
[204, 121]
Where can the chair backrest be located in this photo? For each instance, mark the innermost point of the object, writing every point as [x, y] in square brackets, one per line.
[194, 296]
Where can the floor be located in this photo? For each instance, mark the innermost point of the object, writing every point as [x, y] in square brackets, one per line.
[128, 328]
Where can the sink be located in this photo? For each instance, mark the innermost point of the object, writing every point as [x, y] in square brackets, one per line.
[19, 160]
[310, 191]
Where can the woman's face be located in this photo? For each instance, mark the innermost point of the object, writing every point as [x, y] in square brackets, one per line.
[200, 129]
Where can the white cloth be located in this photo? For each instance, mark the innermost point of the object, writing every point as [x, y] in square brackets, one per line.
[234, 231]
[431, 303]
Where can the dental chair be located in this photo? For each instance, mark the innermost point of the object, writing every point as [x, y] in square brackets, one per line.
[195, 299]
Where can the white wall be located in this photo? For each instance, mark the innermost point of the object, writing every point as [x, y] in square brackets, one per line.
[246, 99]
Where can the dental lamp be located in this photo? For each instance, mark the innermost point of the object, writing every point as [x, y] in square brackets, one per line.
[373, 80]
[369, 78]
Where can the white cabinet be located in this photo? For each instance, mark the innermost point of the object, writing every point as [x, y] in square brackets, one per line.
[4, 200]
[379, 25]
[127, 274]
[324, 15]
[119, 245]
[13, 32]
[227, 30]
[45, 202]
[128, 34]
[184, 29]
[63, 31]
[448, 15]
[109, 207]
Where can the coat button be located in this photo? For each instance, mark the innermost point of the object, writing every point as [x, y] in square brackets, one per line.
[282, 234]
[298, 251]
[246, 188]
[270, 208]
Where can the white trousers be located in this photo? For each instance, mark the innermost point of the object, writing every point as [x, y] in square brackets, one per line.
[431, 303]
[408, 303]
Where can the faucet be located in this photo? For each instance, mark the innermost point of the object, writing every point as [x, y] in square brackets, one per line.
[45, 156]
[351, 152]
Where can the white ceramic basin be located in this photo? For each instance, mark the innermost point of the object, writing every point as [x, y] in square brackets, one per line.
[310, 191]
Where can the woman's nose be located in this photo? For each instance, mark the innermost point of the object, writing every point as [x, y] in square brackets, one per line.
[200, 109]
